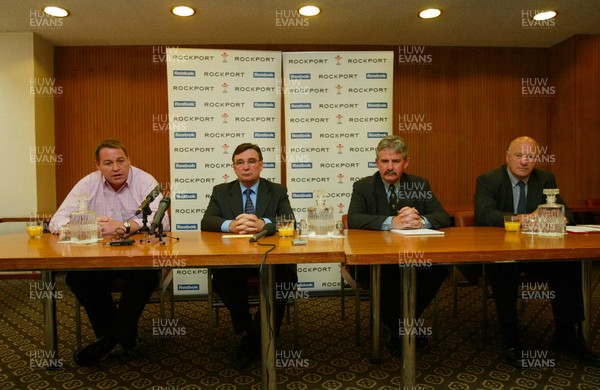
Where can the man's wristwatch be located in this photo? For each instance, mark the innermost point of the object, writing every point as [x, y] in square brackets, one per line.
[422, 223]
[127, 226]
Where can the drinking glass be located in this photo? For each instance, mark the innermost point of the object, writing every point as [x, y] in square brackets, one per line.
[338, 228]
[512, 223]
[529, 224]
[285, 225]
[64, 234]
[35, 229]
[303, 228]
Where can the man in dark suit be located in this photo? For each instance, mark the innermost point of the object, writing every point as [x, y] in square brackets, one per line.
[517, 188]
[393, 199]
[244, 206]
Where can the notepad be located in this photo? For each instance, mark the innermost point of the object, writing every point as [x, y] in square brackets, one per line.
[584, 229]
[237, 235]
[419, 232]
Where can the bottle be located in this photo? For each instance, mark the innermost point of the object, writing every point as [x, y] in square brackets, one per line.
[320, 217]
[302, 228]
[551, 215]
[84, 229]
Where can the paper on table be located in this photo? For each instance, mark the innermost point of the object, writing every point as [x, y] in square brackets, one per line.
[77, 243]
[237, 235]
[418, 232]
[584, 229]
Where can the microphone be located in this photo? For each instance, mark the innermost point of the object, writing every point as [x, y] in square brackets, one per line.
[153, 194]
[268, 230]
[160, 213]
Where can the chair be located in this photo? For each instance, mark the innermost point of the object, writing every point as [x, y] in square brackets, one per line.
[164, 284]
[472, 272]
[33, 275]
[215, 304]
[594, 203]
[363, 292]
[349, 277]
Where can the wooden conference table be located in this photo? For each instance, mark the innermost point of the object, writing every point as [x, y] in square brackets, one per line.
[457, 246]
[359, 247]
[194, 249]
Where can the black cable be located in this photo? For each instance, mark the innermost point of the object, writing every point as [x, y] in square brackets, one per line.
[265, 287]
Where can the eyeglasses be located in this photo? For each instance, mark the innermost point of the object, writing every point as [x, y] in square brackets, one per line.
[528, 157]
[251, 162]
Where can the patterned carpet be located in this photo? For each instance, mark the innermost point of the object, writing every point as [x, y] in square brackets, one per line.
[178, 355]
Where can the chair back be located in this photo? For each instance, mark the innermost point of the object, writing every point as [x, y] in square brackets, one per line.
[345, 221]
[592, 202]
[464, 218]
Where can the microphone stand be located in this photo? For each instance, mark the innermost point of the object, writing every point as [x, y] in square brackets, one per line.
[159, 234]
[145, 229]
[145, 213]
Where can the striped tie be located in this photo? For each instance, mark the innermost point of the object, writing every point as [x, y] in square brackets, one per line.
[393, 200]
[249, 208]
[522, 205]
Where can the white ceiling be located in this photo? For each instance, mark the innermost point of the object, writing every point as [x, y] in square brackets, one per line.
[346, 22]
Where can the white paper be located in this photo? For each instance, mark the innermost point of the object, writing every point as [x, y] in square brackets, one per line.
[418, 232]
[584, 229]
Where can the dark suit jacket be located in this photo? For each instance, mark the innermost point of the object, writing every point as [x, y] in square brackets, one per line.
[494, 196]
[226, 202]
[369, 205]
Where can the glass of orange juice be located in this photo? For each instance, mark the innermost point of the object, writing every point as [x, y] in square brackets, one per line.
[285, 225]
[512, 223]
[35, 229]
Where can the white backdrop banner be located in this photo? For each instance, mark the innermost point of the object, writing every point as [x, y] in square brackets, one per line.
[218, 99]
[338, 105]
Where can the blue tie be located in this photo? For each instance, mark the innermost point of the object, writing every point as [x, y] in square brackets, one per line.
[522, 205]
[249, 208]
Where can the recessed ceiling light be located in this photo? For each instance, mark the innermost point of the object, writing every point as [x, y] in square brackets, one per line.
[183, 10]
[56, 11]
[309, 10]
[430, 13]
[544, 15]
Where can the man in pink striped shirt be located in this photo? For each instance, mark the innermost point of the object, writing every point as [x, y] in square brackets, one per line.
[114, 191]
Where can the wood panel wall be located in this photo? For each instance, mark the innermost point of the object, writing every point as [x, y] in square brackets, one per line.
[470, 96]
[109, 92]
[574, 117]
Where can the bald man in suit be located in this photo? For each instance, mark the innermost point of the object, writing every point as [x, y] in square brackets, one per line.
[517, 188]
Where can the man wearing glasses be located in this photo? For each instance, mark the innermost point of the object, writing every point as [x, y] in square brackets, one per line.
[516, 188]
[244, 206]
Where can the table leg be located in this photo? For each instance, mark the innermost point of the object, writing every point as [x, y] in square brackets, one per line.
[49, 310]
[409, 351]
[210, 298]
[375, 314]
[267, 321]
[586, 284]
